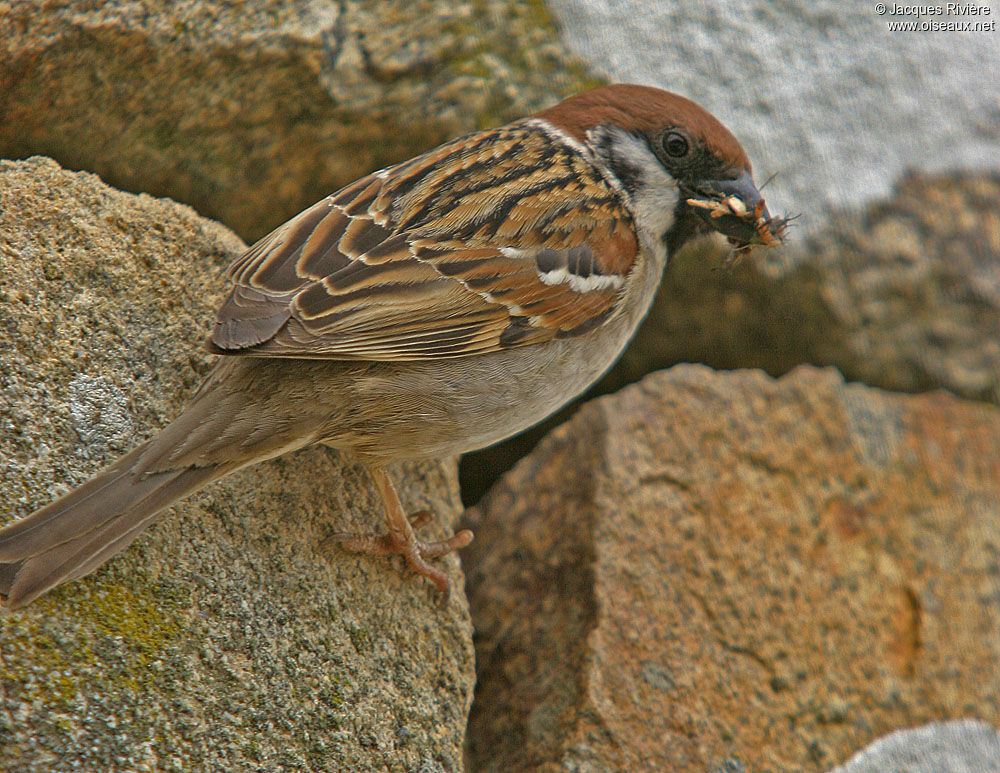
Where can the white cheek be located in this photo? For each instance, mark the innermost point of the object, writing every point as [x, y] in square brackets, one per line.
[655, 200]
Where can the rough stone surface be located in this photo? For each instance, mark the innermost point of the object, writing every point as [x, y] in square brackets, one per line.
[226, 638]
[963, 746]
[821, 94]
[723, 572]
[904, 295]
[251, 111]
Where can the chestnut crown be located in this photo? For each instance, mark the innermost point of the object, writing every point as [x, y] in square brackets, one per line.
[665, 119]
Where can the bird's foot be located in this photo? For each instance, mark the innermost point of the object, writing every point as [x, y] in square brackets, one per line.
[405, 543]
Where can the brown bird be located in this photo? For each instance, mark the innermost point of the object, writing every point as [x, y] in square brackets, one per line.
[431, 308]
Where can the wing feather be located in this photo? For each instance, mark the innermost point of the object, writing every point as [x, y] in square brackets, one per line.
[499, 239]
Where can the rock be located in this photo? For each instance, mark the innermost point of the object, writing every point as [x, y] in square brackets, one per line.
[252, 111]
[723, 572]
[823, 95]
[225, 638]
[964, 746]
[904, 295]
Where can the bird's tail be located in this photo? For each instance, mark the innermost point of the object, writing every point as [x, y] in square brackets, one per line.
[81, 530]
[247, 410]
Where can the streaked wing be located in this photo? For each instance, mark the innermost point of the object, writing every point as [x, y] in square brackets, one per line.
[499, 239]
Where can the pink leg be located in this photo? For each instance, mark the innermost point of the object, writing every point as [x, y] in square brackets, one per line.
[401, 538]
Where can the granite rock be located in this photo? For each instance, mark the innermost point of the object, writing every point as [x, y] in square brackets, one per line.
[225, 638]
[251, 111]
[721, 571]
[904, 295]
[962, 746]
[823, 95]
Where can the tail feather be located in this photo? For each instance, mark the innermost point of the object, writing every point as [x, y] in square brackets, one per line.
[119, 533]
[80, 531]
[247, 410]
[89, 502]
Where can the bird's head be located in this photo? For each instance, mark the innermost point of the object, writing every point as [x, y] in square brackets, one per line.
[682, 170]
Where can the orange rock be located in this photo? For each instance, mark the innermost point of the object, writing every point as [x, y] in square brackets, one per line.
[714, 570]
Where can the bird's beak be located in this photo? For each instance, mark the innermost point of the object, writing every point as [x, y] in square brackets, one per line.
[736, 209]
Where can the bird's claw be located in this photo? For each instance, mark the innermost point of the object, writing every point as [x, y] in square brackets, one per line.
[404, 543]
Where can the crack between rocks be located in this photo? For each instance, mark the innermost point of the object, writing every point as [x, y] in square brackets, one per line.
[333, 39]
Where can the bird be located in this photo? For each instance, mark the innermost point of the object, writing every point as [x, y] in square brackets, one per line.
[428, 309]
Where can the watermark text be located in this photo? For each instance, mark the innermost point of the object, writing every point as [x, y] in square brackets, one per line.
[940, 17]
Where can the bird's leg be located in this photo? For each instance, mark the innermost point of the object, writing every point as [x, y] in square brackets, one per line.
[400, 537]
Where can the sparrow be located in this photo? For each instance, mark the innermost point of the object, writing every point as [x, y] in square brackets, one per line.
[431, 308]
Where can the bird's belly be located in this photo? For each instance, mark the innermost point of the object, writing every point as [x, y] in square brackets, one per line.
[450, 407]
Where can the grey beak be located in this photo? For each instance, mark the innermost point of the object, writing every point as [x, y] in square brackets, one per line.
[742, 188]
[736, 209]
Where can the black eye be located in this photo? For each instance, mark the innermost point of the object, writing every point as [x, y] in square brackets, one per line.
[675, 144]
